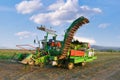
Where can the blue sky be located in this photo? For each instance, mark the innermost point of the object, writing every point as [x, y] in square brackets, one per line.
[19, 19]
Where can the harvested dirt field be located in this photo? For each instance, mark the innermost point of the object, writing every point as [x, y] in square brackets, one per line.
[106, 67]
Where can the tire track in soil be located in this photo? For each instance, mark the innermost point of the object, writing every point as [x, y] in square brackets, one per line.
[105, 68]
[91, 71]
[12, 71]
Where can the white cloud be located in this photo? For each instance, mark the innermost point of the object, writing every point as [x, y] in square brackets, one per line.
[56, 5]
[24, 34]
[83, 39]
[87, 10]
[97, 10]
[62, 12]
[104, 25]
[28, 6]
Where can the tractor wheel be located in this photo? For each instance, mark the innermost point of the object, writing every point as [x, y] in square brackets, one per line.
[59, 65]
[83, 64]
[31, 62]
[41, 65]
[70, 65]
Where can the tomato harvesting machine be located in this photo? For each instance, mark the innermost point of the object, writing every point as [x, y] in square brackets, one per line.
[64, 53]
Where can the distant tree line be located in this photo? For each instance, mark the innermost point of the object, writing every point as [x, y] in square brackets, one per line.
[108, 50]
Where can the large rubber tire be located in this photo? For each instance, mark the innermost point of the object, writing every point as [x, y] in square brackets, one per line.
[70, 65]
[59, 65]
[83, 64]
[31, 62]
[41, 65]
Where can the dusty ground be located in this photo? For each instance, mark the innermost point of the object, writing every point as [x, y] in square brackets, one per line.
[106, 67]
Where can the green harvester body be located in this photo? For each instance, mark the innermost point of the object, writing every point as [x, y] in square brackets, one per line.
[63, 53]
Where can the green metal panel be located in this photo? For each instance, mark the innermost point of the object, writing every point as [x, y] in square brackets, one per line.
[53, 58]
[95, 57]
[89, 59]
[77, 59]
[19, 56]
[43, 59]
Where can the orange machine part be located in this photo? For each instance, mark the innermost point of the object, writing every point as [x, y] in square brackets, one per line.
[53, 44]
[77, 53]
[58, 44]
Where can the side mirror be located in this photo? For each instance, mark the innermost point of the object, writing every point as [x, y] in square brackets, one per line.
[38, 42]
[34, 41]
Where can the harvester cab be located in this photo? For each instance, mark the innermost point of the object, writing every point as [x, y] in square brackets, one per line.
[45, 42]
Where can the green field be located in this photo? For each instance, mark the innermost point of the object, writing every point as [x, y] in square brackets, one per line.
[6, 54]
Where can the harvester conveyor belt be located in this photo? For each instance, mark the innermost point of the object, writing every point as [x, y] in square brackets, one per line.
[69, 35]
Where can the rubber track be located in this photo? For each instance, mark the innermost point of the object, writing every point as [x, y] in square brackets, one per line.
[70, 37]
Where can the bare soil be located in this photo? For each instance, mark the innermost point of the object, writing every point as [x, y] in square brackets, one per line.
[106, 67]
